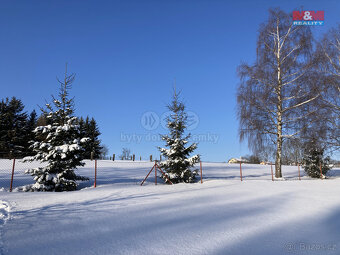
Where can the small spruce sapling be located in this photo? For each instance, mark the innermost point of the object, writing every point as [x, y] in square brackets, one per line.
[59, 144]
[178, 162]
[312, 160]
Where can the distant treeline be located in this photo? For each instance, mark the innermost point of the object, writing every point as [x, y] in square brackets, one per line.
[16, 130]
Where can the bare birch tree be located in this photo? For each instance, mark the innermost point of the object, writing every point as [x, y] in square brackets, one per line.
[275, 93]
[329, 64]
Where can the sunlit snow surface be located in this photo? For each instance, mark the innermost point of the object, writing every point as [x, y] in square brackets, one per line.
[221, 216]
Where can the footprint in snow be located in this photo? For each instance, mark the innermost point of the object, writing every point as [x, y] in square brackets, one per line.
[4, 216]
[4, 212]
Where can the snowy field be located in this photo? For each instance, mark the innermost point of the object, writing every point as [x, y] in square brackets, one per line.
[221, 216]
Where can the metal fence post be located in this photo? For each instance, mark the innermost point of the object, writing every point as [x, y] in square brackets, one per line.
[10, 189]
[201, 172]
[155, 173]
[95, 173]
[241, 170]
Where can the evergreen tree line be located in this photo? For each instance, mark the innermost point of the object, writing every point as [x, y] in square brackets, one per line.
[17, 126]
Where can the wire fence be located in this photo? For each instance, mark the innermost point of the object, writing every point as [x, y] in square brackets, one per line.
[12, 173]
[101, 172]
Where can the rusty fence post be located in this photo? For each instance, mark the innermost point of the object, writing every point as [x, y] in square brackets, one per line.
[147, 176]
[155, 166]
[10, 189]
[95, 173]
[155, 173]
[201, 172]
[241, 170]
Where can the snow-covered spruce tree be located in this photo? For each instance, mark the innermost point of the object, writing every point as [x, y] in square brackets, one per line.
[59, 144]
[178, 164]
[312, 159]
[89, 128]
[13, 131]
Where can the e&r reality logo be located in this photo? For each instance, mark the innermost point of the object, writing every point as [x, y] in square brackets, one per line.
[308, 18]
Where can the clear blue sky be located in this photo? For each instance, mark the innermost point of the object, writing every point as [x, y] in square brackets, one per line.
[126, 55]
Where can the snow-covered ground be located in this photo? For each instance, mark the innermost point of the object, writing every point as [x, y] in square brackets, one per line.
[221, 216]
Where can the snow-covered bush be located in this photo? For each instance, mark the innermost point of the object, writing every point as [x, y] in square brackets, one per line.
[178, 162]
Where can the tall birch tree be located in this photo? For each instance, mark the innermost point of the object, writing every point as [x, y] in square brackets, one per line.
[275, 93]
[329, 67]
